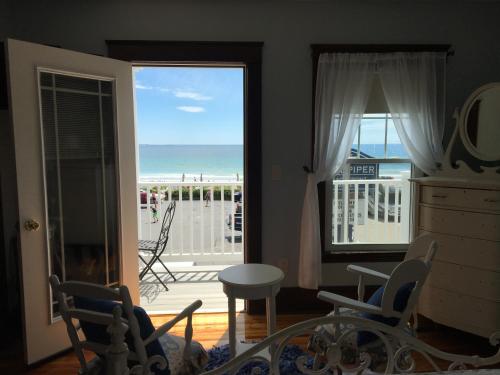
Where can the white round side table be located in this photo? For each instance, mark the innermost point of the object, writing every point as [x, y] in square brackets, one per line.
[250, 281]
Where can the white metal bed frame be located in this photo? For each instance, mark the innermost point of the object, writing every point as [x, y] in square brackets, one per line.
[398, 361]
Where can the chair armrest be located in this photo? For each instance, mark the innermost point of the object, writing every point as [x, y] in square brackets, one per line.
[187, 312]
[366, 271]
[339, 300]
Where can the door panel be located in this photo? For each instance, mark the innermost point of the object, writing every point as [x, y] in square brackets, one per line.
[78, 143]
[74, 138]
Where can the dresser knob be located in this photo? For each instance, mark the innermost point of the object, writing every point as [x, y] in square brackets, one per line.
[439, 196]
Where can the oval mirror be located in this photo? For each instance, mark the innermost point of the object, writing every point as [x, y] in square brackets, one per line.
[480, 123]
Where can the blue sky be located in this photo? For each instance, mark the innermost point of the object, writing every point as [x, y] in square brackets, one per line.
[189, 105]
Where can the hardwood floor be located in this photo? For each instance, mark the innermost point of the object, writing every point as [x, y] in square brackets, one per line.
[211, 330]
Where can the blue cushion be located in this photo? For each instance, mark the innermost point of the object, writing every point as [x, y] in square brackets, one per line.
[400, 302]
[97, 332]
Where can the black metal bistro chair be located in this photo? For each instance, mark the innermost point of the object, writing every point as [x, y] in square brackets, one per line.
[150, 252]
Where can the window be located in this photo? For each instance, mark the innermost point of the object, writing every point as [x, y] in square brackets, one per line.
[378, 163]
[368, 202]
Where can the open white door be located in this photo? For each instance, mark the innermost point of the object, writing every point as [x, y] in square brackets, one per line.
[73, 121]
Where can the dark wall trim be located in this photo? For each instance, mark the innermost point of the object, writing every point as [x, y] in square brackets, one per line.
[189, 52]
[3, 78]
[316, 51]
[248, 54]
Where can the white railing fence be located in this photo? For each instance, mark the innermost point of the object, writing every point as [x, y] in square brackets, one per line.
[370, 211]
[208, 221]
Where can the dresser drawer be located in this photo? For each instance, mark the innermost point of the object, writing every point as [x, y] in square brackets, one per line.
[461, 198]
[460, 223]
[454, 309]
[478, 253]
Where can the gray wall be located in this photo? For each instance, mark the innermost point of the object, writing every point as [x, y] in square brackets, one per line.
[287, 28]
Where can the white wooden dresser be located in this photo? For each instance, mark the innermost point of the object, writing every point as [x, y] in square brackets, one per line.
[463, 289]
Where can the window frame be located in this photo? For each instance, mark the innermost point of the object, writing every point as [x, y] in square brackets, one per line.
[366, 249]
[373, 255]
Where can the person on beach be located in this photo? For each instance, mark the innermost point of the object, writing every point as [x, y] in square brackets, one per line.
[155, 214]
[207, 198]
[154, 208]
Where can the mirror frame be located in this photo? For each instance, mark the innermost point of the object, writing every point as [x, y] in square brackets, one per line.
[463, 123]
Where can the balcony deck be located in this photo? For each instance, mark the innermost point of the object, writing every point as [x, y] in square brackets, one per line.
[193, 282]
[201, 243]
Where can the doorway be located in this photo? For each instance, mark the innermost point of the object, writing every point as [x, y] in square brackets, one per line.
[244, 54]
[189, 126]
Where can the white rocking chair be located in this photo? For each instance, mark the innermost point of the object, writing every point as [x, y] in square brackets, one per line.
[145, 343]
[396, 300]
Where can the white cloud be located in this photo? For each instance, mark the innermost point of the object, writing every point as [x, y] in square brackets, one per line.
[191, 109]
[191, 95]
[142, 87]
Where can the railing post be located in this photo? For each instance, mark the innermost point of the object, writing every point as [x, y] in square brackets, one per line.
[191, 224]
[405, 206]
[148, 209]
[181, 207]
[335, 213]
[222, 219]
[202, 221]
[346, 213]
[233, 214]
[242, 217]
[355, 215]
[172, 235]
[139, 212]
[387, 188]
[212, 203]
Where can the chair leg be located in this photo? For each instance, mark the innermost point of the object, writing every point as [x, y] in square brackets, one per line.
[148, 264]
[145, 269]
[150, 269]
[166, 269]
[159, 279]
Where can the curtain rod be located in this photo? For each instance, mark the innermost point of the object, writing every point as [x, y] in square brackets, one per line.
[381, 48]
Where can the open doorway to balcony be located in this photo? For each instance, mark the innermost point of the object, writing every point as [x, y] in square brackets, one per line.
[191, 183]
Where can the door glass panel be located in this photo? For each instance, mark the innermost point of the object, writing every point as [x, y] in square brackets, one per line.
[78, 135]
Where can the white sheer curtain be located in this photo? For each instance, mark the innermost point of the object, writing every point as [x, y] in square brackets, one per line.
[413, 85]
[343, 85]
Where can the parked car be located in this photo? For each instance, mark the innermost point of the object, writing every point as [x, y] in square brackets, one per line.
[144, 198]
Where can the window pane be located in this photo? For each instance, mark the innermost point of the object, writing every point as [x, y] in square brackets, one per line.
[371, 198]
[394, 170]
[355, 146]
[394, 147]
[80, 179]
[372, 141]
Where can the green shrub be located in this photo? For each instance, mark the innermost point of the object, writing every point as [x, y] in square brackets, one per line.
[196, 193]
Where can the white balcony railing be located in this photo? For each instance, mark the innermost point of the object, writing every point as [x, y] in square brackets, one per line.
[205, 228]
[378, 211]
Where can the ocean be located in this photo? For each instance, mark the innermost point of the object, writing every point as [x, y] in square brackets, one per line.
[224, 162]
[170, 162]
